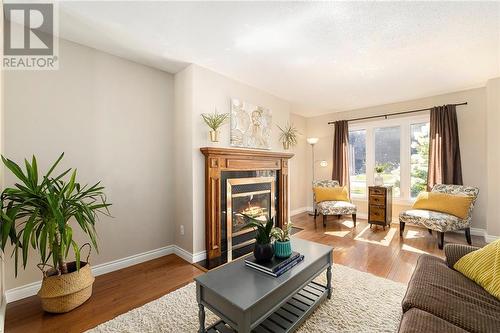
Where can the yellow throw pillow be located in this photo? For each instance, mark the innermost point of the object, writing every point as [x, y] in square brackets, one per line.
[331, 194]
[483, 267]
[453, 204]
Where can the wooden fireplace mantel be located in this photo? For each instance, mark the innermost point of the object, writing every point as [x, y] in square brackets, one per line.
[234, 159]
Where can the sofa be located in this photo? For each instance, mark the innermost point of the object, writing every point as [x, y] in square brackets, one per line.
[440, 299]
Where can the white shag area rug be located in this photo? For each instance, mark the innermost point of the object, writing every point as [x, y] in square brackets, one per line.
[361, 302]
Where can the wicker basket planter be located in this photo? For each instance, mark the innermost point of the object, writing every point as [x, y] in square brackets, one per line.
[63, 293]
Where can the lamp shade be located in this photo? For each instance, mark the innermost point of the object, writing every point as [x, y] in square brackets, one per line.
[312, 141]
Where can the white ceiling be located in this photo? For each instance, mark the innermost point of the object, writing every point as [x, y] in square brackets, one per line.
[322, 55]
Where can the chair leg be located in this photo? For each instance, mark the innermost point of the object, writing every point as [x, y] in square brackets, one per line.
[401, 228]
[315, 213]
[354, 219]
[467, 236]
[430, 231]
[324, 220]
[440, 239]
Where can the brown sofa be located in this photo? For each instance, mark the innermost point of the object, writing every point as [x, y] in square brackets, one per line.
[440, 299]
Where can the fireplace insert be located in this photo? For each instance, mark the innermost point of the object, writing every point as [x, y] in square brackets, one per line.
[246, 193]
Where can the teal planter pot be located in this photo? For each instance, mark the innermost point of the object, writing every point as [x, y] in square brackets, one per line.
[282, 249]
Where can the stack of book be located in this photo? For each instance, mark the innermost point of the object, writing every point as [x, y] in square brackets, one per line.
[276, 266]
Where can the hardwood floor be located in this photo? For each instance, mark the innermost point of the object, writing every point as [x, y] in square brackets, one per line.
[376, 251]
[114, 293]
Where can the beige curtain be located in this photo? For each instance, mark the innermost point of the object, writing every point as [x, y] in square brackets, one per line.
[445, 166]
[341, 153]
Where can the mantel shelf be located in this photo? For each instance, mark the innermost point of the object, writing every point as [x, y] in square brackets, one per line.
[245, 152]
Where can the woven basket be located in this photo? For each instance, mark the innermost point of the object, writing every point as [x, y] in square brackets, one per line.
[63, 293]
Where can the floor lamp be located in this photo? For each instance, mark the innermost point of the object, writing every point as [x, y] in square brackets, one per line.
[312, 142]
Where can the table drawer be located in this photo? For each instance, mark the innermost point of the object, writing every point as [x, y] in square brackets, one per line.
[377, 200]
[377, 213]
[377, 191]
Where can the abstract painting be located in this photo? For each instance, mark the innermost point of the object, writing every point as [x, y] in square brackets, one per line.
[250, 125]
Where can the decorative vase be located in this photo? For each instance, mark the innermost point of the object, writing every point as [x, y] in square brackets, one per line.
[379, 180]
[263, 252]
[286, 145]
[63, 293]
[282, 249]
[214, 136]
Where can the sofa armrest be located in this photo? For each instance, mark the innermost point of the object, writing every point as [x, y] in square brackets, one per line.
[454, 252]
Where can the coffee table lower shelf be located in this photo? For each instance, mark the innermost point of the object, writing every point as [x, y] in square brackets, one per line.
[289, 316]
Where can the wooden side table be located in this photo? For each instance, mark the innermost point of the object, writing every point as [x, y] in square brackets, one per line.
[380, 205]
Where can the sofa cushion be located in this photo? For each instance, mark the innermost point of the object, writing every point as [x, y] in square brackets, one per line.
[418, 321]
[483, 267]
[449, 295]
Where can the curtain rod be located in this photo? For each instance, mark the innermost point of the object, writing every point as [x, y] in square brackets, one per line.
[395, 114]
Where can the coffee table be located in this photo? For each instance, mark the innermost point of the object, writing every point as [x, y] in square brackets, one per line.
[246, 300]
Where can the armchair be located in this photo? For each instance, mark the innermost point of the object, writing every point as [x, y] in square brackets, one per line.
[441, 222]
[326, 208]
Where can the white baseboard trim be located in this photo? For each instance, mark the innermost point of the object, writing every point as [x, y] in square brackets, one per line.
[300, 211]
[188, 256]
[31, 289]
[3, 305]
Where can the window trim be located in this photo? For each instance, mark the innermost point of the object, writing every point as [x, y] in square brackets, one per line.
[405, 152]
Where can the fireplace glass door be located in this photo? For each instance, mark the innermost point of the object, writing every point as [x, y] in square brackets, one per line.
[252, 197]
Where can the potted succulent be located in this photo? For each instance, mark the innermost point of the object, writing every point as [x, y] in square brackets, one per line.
[263, 250]
[282, 246]
[288, 136]
[39, 214]
[379, 179]
[214, 121]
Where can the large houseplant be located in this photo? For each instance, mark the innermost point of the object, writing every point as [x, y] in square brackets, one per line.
[37, 214]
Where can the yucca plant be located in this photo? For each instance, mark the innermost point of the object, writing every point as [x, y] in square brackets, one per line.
[37, 212]
[214, 120]
[289, 135]
[264, 230]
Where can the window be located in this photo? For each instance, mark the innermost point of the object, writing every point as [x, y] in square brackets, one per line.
[388, 155]
[419, 158]
[357, 153]
[400, 146]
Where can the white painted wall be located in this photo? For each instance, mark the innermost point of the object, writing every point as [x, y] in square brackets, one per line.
[2, 268]
[493, 156]
[114, 120]
[472, 132]
[299, 167]
[210, 90]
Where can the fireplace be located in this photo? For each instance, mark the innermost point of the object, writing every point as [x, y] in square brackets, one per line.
[238, 182]
[253, 197]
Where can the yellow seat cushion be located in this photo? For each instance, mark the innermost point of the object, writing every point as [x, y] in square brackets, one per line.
[331, 194]
[457, 205]
[483, 267]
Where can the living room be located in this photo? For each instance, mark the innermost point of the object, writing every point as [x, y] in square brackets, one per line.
[355, 142]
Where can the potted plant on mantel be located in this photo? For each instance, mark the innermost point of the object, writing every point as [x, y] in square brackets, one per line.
[288, 136]
[263, 250]
[214, 121]
[37, 213]
[282, 245]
